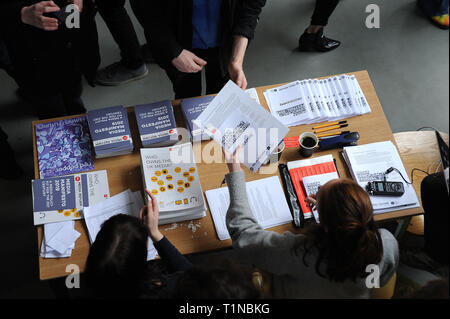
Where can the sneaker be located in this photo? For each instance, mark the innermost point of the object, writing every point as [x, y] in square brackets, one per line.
[441, 21]
[316, 42]
[117, 74]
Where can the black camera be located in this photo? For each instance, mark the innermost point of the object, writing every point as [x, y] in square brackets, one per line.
[384, 188]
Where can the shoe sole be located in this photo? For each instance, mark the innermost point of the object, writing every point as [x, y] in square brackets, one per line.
[315, 50]
[143, 75]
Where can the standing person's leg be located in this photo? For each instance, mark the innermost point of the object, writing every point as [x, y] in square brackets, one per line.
[436, 11]
[9, 169]
[139, 10]
[72, 98]
[185, 85]
[132, 66]
[313, 39]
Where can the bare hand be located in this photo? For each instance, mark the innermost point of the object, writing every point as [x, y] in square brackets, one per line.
[34, 15]
[149, 216]
[237, 74]
[188, 62]
[232, 160]
[312, 201]
[78, 4]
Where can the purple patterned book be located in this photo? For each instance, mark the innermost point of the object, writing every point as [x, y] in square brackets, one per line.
[64, 147]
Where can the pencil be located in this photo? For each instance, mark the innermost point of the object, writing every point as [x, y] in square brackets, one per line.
[331, 128]
[333, 134]
[329, 124]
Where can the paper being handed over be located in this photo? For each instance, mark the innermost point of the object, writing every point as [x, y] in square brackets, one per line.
[233, 119]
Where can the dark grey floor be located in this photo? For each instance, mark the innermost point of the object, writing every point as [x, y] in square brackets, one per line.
[407, 59]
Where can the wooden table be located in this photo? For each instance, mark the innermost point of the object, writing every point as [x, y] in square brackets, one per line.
[199, 235]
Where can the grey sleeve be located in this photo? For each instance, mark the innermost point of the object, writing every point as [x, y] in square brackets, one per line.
[391, 257]
[264, 248]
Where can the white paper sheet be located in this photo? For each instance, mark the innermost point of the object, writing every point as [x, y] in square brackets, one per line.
[59, 239]
[127, 203]
[266, 199]
[233, 119]
[369, 163]
[312, 184]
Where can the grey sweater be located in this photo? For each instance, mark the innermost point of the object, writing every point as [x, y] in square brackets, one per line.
[275, 253]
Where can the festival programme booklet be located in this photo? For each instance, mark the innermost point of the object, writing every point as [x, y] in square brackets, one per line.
[63, 198]
[191, 109]
[171, 174]
[156, 123]
[234, 119]
[64, 147]
[110, 131]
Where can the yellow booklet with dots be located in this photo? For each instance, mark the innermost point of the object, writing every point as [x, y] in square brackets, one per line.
[171, 174]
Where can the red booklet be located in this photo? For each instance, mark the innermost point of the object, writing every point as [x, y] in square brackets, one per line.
[309, 167]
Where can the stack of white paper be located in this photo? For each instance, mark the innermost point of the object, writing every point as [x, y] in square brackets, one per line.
[127, 203]
[369, 163]
[59, 239]
[266, 199]
[314, 100]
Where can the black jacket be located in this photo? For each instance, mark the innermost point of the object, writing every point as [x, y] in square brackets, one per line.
[43, 59]
[170, 26]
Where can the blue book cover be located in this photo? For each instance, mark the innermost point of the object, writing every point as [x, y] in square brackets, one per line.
[156, 123]
[63, 198]
[110, 130]
[63, 147]
[191, 109]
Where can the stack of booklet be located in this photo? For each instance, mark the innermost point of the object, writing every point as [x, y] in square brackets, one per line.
[314, 100]
[191, 109]
[156, 123]
[63, 198]
[64, 147]
[110, 131]
[171, 175]
[368, 163]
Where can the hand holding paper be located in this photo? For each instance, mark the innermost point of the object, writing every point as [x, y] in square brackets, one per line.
[149, 216]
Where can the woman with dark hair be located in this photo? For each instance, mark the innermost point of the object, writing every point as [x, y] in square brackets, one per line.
[331, 259]
[221, 280]
[117, 263]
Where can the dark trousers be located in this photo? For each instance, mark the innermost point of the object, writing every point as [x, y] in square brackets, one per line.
[187, 85]
[435, 202]
[66, 101]
[323, 11]
[119, 24]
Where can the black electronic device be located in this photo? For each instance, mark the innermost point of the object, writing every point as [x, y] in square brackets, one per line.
[348, 139]
[384, 188]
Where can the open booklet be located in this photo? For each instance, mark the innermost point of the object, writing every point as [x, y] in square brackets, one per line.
[266, 199]
[233, 118]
